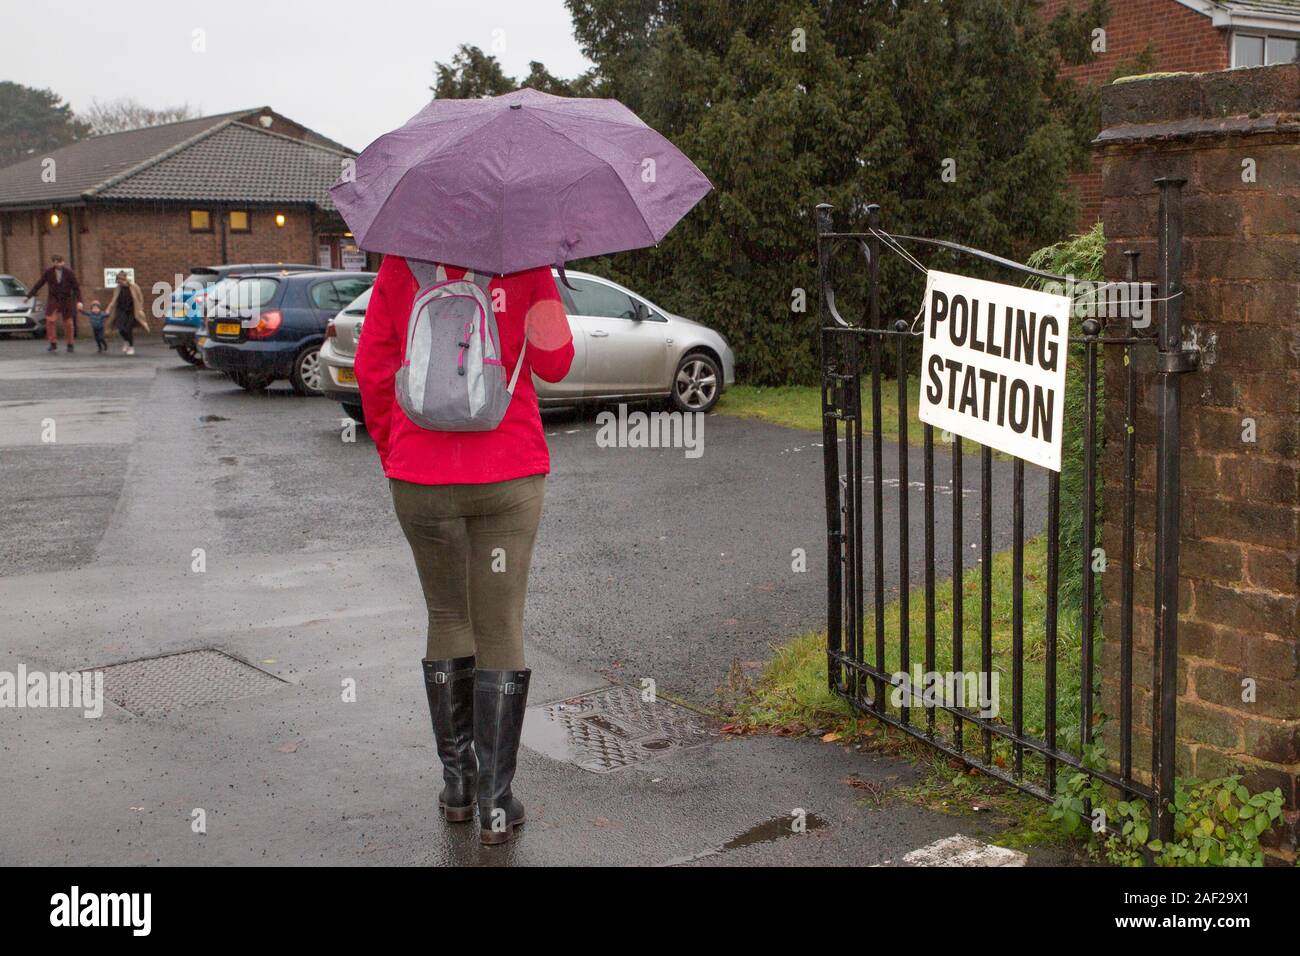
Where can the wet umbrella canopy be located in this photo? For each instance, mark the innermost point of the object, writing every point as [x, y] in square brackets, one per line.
[517, 181]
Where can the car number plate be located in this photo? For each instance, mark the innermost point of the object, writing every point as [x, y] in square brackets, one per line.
[227, 328]
[347, 375]
[13, 320]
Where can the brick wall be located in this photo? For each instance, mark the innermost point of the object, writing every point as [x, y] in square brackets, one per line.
[1240, 573]
[1180, 39]
[154, 240]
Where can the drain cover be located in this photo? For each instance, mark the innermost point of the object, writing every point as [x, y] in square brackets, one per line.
[610, 729]
[158, 684]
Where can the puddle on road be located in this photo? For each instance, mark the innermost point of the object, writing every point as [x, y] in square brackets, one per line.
[775, 829]
[769, 831]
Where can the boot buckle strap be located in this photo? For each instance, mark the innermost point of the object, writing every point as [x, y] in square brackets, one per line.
[509, 688]
[440, 677]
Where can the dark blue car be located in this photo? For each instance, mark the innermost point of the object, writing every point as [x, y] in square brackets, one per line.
[186, 316]
[261, 328]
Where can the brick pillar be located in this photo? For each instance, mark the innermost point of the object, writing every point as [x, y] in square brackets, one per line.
[1235, 137]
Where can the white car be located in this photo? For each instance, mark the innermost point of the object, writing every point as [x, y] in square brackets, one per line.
[17, 313]
[624, 347]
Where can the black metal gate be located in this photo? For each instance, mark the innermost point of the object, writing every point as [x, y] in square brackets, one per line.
[857, 634]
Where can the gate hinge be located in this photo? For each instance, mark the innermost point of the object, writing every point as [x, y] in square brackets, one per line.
[1184, 360]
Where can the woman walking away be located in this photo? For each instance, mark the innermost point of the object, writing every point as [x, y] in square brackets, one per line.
[126, 308]
[460, 439]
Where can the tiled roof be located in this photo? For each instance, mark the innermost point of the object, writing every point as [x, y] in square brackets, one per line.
[1280, 8]
[238, 163]
[214, 158]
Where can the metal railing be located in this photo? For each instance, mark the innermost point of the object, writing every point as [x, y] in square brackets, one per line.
[856, 629]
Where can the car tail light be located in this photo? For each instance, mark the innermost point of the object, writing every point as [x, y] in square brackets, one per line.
[267, 325]
[330, 330]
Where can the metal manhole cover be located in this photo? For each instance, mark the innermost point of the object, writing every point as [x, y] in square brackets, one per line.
[155, 685]
[610, 729]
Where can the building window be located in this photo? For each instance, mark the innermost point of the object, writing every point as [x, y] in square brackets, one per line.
[1259, 49]
[240, 221]
[200, 220]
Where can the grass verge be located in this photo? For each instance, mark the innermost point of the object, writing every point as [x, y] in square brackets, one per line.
[792, 697]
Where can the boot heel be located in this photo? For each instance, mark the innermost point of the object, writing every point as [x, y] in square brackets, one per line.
[498, 837]
[456, 814]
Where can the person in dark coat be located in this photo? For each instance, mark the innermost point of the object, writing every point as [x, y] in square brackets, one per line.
[62, 301]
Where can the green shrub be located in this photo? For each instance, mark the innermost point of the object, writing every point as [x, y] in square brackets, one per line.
[1216, 822]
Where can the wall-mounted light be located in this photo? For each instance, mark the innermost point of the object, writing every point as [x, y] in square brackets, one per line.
[279, 219]
[54, 219]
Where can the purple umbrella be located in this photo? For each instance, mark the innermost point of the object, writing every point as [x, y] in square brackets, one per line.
[517, 181]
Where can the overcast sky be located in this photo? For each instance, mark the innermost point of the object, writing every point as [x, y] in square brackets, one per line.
[349, 69]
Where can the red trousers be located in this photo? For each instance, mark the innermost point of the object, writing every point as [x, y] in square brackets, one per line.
[52, 319]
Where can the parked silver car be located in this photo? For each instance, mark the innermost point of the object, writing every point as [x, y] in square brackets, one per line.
[17, 314]
[624, 346]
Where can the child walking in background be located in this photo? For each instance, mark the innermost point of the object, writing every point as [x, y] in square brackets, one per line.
[97, 315]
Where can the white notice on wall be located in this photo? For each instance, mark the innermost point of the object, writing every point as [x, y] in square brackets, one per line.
[993, 365]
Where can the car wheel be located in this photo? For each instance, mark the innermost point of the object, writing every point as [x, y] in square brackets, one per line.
[190, 354]
[306, 374]
[355, 413]
[697, 384]
[250, 382]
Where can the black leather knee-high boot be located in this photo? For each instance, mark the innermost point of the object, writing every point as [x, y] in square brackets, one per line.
[449, 684]
[500, 698]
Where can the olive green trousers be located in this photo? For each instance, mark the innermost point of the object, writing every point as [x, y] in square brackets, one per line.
[473, 545]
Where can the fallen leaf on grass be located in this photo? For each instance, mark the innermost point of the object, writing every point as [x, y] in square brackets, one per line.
[830, 738]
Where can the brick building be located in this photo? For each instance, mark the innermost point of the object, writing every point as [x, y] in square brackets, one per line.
[249, 186]
[1180, 36]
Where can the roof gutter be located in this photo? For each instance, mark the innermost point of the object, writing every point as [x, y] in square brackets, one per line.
[1224, 18]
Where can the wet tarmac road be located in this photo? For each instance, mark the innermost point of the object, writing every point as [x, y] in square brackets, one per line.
[650, 565]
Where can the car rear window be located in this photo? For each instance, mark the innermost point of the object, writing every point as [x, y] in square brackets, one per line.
[358, 305]
[243, 295]
[9, 286]
[336, 294]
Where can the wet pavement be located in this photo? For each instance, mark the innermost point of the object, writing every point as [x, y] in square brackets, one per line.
[173, 513]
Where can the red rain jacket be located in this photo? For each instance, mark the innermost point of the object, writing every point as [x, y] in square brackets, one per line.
[514, 449]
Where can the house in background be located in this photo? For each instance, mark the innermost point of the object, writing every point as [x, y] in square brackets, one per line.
[249, 186]
[1190, 36]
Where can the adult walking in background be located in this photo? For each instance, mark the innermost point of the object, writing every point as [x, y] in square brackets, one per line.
[62, 301]
[125, 309]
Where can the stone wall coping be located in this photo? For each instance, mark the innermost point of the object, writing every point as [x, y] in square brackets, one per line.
[1195, 128]
[1251, 92]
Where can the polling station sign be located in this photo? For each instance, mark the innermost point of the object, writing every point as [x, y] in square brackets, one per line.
[993, 365]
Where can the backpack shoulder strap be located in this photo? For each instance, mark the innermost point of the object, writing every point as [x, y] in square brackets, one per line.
[426, 273]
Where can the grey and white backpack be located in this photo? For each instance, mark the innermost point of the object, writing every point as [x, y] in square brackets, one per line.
[452, 378]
